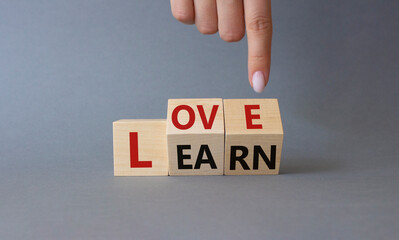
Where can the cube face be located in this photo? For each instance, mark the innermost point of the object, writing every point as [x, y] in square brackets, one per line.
[140, 148]
[254, 136]
[197, 154]
[195, 116]
[264, 112]
[195, 136]
[253, 154]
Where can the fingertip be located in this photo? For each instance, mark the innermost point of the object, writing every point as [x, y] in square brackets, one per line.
[183, 11]
[184, 17]
[259, 81]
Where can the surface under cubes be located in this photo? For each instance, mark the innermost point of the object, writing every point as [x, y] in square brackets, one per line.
[202, 137]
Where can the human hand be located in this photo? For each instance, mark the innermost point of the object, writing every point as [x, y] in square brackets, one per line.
[231, 18]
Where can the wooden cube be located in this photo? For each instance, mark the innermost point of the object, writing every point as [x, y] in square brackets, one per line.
[140, 148]
[195, 136]
[254, 136]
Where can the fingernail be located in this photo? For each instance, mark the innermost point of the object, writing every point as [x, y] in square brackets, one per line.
[258, 81]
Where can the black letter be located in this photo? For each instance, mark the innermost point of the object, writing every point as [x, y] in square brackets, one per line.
[234, 157]
[271, 164]
[181, 157]
[200, 160]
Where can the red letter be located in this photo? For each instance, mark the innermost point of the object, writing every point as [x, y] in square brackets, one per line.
[134, 153]
[191, 117]
[249, 116]
[207, 125]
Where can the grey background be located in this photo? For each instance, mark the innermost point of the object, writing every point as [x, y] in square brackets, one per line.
[69, 68]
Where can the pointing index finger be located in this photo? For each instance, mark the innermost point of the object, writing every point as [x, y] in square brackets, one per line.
[258, 21]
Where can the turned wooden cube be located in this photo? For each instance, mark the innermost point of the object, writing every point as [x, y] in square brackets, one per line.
[140, 148]
[195, 136]
[254, 136]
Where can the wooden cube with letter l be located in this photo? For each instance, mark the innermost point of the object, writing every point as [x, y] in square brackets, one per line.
[195, 136]
[254, 136]
[140, 148]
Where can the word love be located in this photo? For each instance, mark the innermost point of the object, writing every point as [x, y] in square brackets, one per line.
[202, 137]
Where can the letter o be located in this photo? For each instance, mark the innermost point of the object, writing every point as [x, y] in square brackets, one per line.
[191, 117]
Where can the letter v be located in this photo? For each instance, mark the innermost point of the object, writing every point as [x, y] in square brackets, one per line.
[207, 124]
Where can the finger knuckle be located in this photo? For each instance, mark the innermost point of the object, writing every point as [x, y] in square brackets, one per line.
[258, 58]
[260, 24]
[232, 36]
[183, 16]
[207, 28]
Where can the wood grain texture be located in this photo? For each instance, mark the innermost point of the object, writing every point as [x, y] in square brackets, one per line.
[237, 134]
[195, 136]
[151, 147]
